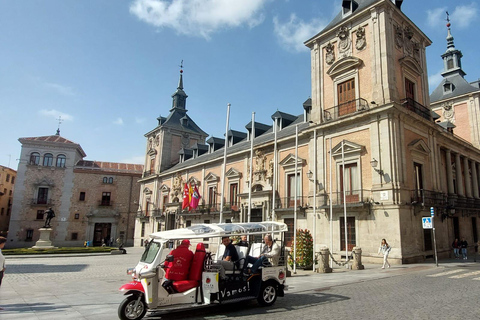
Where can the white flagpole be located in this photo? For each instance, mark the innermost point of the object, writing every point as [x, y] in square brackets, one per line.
[252, 137]
[274, 189]
[295, 205]
[331, 205]
[344, 202]
[224, 164]
[314, 193]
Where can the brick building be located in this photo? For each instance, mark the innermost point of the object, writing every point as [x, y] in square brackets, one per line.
[7, 186]
[366, 160]
[92, 200]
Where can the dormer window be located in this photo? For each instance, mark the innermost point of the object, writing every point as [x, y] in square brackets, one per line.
[347, 7]
[447, 87]
[184, 121]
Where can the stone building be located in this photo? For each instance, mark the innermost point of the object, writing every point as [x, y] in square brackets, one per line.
[92, 200]
[366, 160]
[7, 186]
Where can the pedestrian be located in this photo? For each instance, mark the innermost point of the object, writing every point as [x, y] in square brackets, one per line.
[385, 250]
[456, 248]
[270, 253]
[464, 246]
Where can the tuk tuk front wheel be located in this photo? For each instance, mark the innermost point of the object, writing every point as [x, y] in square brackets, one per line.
[128, 311]
[268, 294]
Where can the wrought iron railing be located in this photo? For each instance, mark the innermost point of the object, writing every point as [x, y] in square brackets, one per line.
[416, 107]
[105, 203]
[352, 197]
[428, 198]
[345, 109]
[289, 202]
[41, 201]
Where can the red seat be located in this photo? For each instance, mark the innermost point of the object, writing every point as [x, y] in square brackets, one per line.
[195, 273]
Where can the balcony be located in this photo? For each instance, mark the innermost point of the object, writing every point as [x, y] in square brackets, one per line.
[288, 203]
[105, 203]
[417, 108]
[428, 198]
[353, 198]
[345, 109]
[41, 202]
[148, 173]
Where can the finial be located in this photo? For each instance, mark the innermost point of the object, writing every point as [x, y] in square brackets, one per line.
[181, 66]
[448, 20]
[60, 120]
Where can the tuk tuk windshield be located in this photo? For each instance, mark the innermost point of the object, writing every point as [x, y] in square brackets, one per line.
[150, 252]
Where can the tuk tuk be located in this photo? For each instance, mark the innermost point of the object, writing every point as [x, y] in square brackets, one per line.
[206, 284]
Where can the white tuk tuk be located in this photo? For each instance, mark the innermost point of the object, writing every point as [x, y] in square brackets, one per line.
[212, 285]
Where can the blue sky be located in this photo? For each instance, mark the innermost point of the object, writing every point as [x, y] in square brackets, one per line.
[109, 67]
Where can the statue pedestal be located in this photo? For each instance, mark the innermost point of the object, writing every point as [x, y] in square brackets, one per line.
[44, 241]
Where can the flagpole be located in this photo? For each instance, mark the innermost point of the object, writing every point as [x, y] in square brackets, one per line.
[331, 205]
[224, 164]
[314, 193]
[295, 205]
[274, 187]
[252, 137]
[344, 202]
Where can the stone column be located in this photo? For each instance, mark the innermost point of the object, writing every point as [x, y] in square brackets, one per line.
[448, 164]
[357, 259]
[458, 167]
[476, 195]
[323, 256]
[468, 180]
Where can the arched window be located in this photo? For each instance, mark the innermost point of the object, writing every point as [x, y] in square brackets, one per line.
[47, 160]
[35, 158]
[105, 180]
[61, 159]
[110, 180]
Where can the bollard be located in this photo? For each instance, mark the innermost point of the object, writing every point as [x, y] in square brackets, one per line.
[357, 259]
[323, 256]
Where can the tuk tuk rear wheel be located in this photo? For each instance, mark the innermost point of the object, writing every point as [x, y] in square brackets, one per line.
[268, 294]
[127, 310]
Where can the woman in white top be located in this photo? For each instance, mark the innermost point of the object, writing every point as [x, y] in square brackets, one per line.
[385, 250]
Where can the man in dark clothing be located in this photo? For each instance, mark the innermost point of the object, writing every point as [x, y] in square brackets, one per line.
[229, 258]
[464, 246]
[243, 242]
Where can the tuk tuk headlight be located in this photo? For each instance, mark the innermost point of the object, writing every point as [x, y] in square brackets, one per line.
[131, 271]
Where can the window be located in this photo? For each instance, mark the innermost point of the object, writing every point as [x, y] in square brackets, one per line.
[108, 180]
[450, 63]
[233, 194]
[105, 198]
[82, 196]
[40, 214]
[211, 196]
[351, 242]
[409, 89]
[13, 180]
[427, 239]
[346, 97]
[61, 159]
[29, 235]
[47, 160]
[8, 177]
[77, 216]
[417, 168]
[74, 235]
[351, 183]
[142, 232]
[35, 158]
[152, 165]
[42, 196]
[291, 189]
[105, 179]
[10, 192]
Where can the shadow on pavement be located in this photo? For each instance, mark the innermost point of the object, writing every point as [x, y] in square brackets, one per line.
[43, 268]
[291, 302]
[33, 307]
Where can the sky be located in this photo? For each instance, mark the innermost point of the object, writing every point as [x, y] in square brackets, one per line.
[108, 68]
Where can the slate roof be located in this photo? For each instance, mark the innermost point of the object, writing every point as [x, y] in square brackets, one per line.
[242, 146]
[53, 139]
[460, 87]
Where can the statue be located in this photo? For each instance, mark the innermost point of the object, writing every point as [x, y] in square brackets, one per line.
[50, 214]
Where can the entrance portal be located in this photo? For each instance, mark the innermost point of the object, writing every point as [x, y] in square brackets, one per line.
[102, 231]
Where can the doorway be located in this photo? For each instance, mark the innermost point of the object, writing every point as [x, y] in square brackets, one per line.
[102, 232]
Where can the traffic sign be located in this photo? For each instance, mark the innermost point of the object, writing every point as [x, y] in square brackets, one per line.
[432, 211]
[427, 223]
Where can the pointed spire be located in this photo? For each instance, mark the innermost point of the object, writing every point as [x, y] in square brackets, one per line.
[450, 45]
[179, 97]
[452, 57]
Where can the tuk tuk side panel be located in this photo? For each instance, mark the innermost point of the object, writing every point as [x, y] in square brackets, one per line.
[277, 273]
[210, 286]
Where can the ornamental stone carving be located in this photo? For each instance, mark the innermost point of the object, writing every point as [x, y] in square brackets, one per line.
[185, 140]
[361, 42]
[177, 186]
[344, 40]
[398, 37]
[449, 113]
[330, 55]
[260, 162]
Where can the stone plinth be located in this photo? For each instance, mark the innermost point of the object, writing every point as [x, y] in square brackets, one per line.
[323, 266]
[357, 259]
[44, 241]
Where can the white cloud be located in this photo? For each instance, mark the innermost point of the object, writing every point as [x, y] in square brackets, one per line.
[294, 32]
[56, 114]
[118, 121]
[434, 80]
[461, 17]
[67, 91]
[139, 120]
[134, 160]
[199, 17]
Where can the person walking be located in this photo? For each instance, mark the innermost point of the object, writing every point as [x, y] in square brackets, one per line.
[385, 250]
[456, 248]
[464, 246]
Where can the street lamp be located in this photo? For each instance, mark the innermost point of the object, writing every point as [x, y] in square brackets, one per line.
[374, 164]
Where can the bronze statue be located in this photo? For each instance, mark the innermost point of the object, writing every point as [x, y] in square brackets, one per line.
[50, 214]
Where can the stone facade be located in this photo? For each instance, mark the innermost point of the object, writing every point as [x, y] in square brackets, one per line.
[53, 174]
[7, 186]
[371, 157]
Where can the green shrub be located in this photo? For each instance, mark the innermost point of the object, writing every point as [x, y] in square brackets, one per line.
[304, 254]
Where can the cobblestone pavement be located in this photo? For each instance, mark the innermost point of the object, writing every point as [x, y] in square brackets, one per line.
[86, 287]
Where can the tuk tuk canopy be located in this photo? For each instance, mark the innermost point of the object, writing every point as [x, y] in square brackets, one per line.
[206, 230]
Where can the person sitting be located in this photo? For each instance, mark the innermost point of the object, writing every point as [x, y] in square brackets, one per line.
[243, 241]
[229, 258]
[178, 269]
[270, 253]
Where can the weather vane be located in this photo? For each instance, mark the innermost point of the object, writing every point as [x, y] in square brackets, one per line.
[60, 120]
[181, 66]
[448, 19]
